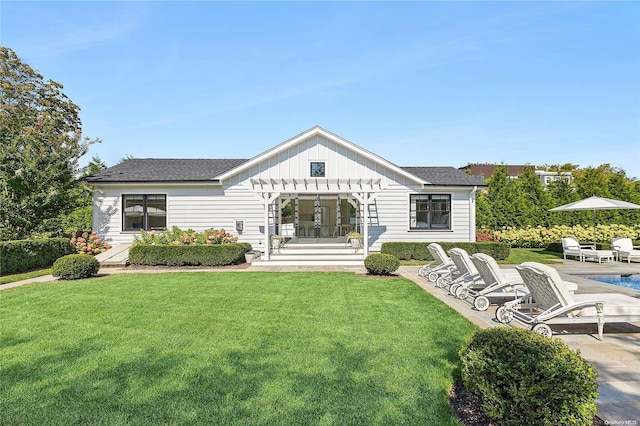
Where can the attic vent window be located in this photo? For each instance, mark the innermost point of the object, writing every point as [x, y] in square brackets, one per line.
[317, 169]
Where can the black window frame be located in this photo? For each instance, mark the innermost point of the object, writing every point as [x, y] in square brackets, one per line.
[428, 200]
[312, 171]
[144, 214]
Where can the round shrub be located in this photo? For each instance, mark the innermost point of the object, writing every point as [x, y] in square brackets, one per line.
[518, 374]
[381, 264]
[75, 266]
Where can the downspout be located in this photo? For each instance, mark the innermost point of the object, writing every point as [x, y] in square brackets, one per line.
[472, 214]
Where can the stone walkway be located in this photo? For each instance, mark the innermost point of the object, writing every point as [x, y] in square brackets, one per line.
[617, 356]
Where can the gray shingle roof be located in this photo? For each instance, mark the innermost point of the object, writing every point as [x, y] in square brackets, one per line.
[444, 176]
[164, 170]
[203, 170]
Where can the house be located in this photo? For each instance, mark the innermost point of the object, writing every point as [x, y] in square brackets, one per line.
[483, 172]
[315, 187]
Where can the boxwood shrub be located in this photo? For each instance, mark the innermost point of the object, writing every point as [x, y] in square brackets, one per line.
[381, 264]
[188, 255]
[75, 267]
[23, 255]
[419, 251]
[517, 374]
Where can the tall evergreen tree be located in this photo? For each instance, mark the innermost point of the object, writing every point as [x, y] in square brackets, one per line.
[534, 201]
[502, 199]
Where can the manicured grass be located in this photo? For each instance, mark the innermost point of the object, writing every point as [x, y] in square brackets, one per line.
[520, 255]
[228, 348]
[25, 275]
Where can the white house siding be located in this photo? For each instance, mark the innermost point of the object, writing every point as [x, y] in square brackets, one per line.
[188, 207]
[205, 206]
[392, 207]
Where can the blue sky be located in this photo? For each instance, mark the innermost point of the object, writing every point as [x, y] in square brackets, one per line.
[419, 83]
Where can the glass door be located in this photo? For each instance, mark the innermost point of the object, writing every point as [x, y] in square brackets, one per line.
[318, 218]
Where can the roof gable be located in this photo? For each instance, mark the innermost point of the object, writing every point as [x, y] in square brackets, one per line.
[144, 170]
[318, 131]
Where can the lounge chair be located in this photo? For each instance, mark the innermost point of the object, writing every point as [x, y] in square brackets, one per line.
[441, 266]
[624, 248]
[571, 247]
[469, 280]
[501, 283]
[554, 304]
[498, 284]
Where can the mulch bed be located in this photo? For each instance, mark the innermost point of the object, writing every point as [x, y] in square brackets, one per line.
[467, 408]
[186, 268]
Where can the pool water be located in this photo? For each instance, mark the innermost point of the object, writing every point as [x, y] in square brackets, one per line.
[629, 281]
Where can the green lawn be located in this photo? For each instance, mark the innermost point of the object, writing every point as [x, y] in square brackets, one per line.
[228, 348]
[23, 276]
[521, 255]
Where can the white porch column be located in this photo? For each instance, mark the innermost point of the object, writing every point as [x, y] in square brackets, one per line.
[363, 199]
[268, 198]
[267, 239]
[365, 235]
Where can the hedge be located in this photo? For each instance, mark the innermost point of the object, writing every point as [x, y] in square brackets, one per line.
[23, 255]
[419, 251]
[189, 255]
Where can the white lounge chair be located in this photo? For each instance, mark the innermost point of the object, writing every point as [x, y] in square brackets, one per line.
[469, 280]
[571, 247]
[498, 284]
[554, 304]
[501, 283]
[441, 267]
[624, 248]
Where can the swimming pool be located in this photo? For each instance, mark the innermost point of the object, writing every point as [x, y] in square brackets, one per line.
[629, 281]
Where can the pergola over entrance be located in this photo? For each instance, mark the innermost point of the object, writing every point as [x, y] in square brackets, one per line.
[270, 190]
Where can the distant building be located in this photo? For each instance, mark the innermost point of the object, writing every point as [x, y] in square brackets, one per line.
[484, 171]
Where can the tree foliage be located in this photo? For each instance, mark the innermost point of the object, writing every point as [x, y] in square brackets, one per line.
[525, 203]
[41, 139]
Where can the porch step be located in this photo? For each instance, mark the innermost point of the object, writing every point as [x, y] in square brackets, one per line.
[115, 257]
[317, 256]
[314, 255]
[320, 264]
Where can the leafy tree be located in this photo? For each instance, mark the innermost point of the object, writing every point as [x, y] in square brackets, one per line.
[80, 219]
[95, 165]
[41, 139]
[561, 192]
